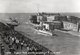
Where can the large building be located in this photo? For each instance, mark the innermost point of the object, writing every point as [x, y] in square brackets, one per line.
[70, 22]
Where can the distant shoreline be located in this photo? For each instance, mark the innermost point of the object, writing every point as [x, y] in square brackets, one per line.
[65, 14]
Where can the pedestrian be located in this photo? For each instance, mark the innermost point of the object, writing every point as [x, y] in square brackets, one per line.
[2, 51]
[12, 51]
[28, 48]
[2, 45]
[7, 41]
[78, 26]
[17, 43]
[13, 40]
[10, 40]
[21, 45]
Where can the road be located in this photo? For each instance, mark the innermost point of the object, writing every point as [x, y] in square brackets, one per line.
[60, 44]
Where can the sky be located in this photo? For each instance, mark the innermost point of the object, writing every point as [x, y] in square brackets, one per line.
[30, 6]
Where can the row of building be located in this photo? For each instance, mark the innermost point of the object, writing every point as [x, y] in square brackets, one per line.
[51, 21]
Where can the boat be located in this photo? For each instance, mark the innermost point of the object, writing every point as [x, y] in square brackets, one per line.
[43, 32]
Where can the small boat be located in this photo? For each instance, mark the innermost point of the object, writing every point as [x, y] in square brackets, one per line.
[43, 32]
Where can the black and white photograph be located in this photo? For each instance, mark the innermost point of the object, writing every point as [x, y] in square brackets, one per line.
[39, 27]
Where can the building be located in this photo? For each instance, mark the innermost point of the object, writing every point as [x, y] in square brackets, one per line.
[71, 23]
[41, 18]
[46, 26]
[52, 25]
[50, 18]
[70, 26]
